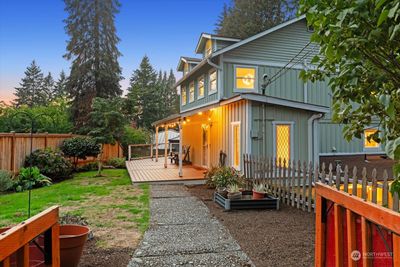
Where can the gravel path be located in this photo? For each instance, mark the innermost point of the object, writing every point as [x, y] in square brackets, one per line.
[183, 233]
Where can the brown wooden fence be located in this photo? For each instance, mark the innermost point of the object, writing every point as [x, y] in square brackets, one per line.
[294, 182]
[14, 147]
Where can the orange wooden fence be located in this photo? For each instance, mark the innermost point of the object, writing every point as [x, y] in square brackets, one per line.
[14, 147]
[15, 243]
[347, 234]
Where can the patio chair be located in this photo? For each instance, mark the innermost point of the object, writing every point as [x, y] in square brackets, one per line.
[186, 156]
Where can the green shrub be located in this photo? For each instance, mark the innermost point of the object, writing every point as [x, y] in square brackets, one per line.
[225, 176]
[118, 163]
[91, 166]
[134, 136]
[30, 178]
[80, 148]
[6, 181]
[209, 176]
[50, 163]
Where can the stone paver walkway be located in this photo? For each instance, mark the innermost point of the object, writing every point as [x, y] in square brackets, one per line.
[182, 233]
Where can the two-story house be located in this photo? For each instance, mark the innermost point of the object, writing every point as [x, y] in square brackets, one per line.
[245, 96]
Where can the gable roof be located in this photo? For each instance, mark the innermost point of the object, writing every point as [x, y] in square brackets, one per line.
[204, 36]
[190, 60]
[257, 36]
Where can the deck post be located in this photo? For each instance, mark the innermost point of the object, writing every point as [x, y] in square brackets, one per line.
[129, 152]
[156, 143]
[180, 149]
[166, 146]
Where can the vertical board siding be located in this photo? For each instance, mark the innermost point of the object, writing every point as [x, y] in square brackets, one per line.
[15, 147]
[332, 137]
[264, 115]
[220, 132]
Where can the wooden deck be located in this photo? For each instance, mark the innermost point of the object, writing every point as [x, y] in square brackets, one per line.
[148, 170]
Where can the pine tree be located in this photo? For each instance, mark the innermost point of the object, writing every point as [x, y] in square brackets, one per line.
[173, 98]
[48, 87]
[60, 88]
[92, 47]
[244, 18]
[30, 90]
[143, 95]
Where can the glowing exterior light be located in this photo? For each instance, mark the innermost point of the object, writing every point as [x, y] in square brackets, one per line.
[200, 113]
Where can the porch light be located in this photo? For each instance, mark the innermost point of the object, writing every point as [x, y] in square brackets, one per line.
[209, 119]
[200, 113]
[184, 122]
[188, 120]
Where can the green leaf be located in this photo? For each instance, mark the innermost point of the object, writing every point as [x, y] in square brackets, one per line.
[383, 17]
[393, 11]
[379, 3]
[393, 149]
[395, 30]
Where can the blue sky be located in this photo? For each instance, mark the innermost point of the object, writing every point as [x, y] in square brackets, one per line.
[162, 29]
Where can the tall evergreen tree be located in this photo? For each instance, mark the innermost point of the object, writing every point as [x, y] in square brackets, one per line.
[244, 18]
[173, 98]
[48, 87]
[92, 47]
[143, 95]
[30, 91]
[60, 87]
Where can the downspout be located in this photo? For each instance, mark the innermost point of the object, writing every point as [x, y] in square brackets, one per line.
[313, 138]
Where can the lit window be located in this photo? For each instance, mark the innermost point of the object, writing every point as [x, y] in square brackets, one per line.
[370, 143]
[200, 87]
[208, 48]
[213, 82]
[183, 96]
[283, 142]
[236, 145]
[185, 68]
[245, 78]
[191, 92]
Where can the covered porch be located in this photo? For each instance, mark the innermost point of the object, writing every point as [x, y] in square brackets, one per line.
[150, 170]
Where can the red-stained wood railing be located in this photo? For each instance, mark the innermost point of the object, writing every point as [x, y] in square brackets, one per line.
[16, 240]
[349, 207]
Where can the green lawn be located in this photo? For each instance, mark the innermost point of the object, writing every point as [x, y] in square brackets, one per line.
[105, 202]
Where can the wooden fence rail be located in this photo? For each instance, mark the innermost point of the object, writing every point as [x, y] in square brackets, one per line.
[350, 231]
[294, 182]
[14, 147]
[16, 241]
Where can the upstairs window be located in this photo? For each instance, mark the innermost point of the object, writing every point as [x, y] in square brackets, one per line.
[191, 92]
[208, 50]
[212, 82]
[200, 87]
[185, 69]
[183, 96]
[245, 78]
[368, 144]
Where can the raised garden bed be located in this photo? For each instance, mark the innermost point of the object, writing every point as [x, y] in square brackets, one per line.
[246, 202]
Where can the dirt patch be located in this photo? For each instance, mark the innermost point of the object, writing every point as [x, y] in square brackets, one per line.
[268, 237]
[368, 161]
[104, 257]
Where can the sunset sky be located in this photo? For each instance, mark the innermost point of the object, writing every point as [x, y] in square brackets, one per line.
[164, 30]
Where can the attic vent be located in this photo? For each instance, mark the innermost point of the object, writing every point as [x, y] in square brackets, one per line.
[310, 28]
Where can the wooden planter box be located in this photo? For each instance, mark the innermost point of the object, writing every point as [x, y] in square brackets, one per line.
[247, 202]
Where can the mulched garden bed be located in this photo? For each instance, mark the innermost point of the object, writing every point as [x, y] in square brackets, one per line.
[269, 237]
[99, 257]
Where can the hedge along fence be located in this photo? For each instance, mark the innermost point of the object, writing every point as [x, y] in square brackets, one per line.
[294, 182]
[14, 147]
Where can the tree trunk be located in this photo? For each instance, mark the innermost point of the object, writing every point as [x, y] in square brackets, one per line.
[99, 163]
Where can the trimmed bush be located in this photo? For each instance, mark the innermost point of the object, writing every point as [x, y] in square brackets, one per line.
[50, 163]
[80, 148]
[118, 163]
[6, 181]
[30, 178]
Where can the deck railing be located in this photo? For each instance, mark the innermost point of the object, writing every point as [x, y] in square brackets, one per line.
[351, 230]
[16, 241]
[140, 151]
[294, 182]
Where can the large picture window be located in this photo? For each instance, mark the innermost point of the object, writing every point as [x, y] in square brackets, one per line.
[183, 96]
[191, 92]
[200, 87]
[245, 78]
[368, 144]
[213, 82]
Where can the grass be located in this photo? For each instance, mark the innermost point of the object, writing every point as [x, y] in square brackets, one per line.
[109, 203]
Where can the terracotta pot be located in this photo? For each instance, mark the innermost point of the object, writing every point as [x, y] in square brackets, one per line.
[258, 195]
[72, 240]
[235, 195]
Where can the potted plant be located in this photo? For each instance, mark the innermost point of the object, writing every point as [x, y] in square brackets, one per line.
[259, 191]
[223, 177]
[234, 192]
[72, 240]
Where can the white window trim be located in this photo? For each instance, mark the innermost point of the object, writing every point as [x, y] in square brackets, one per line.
[291, 124]
[210, 92]
[183, 88]
[236, 123]
[194, 95]
[238, 90]
[370, 149]
[204, 87]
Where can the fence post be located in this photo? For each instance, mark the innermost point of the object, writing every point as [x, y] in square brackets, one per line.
[12, 167]
[129, 152]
